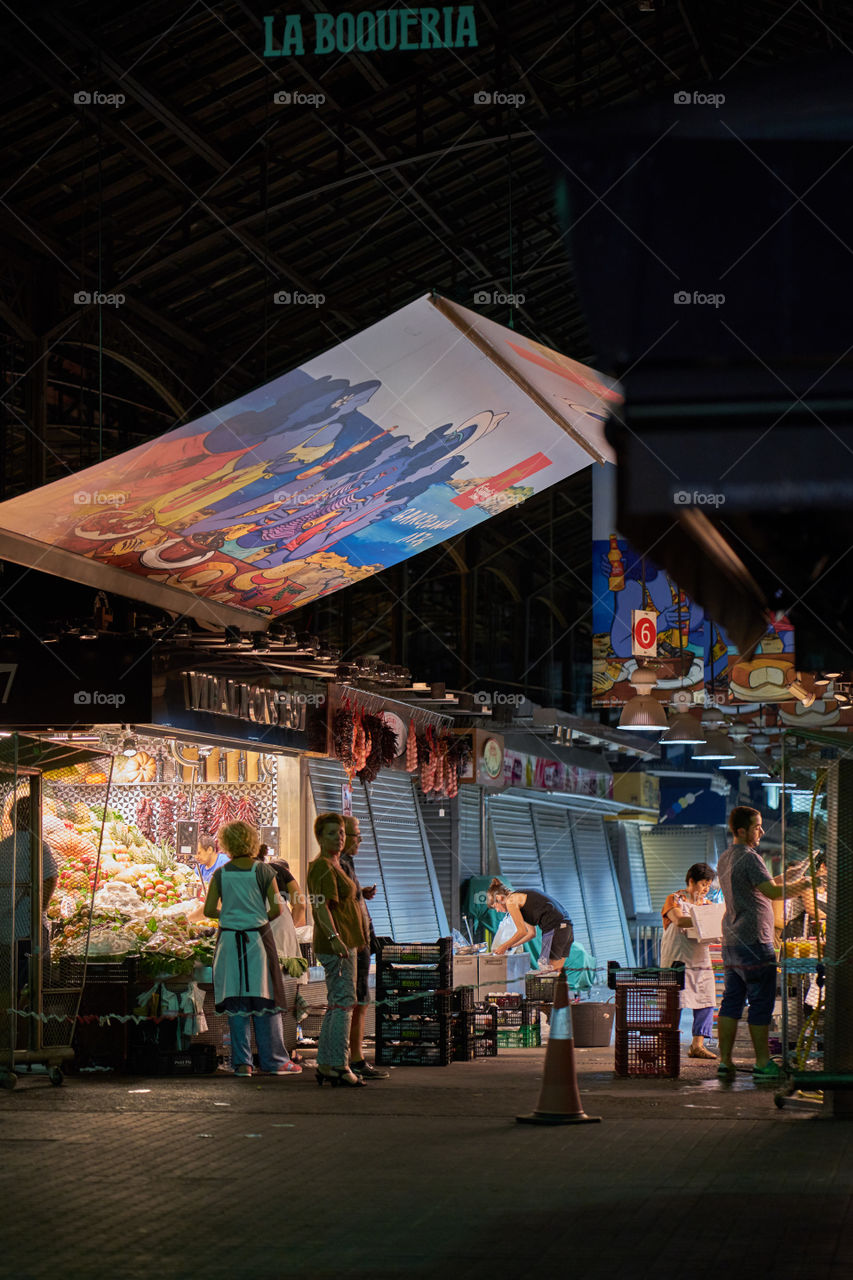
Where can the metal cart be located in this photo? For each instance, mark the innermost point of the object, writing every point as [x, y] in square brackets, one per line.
[37, 1017]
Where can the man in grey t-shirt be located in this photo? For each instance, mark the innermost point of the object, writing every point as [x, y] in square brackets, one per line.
[748, 955]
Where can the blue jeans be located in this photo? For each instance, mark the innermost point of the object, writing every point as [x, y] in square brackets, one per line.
[268, 1036]
[333, 1045]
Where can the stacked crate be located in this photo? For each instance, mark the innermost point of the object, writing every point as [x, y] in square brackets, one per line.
[517, 1019]
[414, 1024]
[539, 988]
[648, 1015]
[475, 1030]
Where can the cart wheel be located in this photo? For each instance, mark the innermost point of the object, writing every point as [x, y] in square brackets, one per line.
[56, 1076]
[779, 1099]
[9, 1080]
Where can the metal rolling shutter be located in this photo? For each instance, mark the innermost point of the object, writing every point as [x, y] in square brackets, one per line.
[633, 864]
[515, 840]
[607, 926]
[668, 852]
[326, 777]
[414, 901]
[393, 853]
[437, 816]
[468, 851]
[559, 868]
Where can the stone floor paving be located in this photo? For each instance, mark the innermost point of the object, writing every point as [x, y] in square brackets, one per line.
[424, 1175]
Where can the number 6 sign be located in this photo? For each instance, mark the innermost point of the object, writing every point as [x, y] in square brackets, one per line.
[644, 633]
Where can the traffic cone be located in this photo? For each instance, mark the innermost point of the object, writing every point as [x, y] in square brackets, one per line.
[559, 1100]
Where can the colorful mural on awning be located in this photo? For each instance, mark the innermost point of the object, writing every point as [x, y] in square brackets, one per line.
[416, 429]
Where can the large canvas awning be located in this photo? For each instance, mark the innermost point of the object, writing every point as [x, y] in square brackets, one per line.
[413, 431]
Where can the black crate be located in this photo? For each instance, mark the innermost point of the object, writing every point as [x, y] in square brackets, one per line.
[205, 1060]
[428, 1004]
[414, 1055]
[540, 986]
[405, 978]
[149, 1060]
[462, 999]
[672, 977]
[417, 1030]
[414, 952]
[524, 1013]
[468, 1051]
[480, 1025]
[504, 999]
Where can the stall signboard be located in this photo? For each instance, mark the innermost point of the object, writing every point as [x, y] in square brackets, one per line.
[539, 773]
[636, 789]
[234, 698]
[73, 682]
[420, 427]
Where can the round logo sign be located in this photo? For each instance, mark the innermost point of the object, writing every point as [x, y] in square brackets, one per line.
[493, 758]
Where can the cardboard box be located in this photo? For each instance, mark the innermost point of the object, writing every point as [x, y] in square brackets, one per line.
[707, 920]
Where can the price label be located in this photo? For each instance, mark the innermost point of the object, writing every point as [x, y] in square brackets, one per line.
[644, 633]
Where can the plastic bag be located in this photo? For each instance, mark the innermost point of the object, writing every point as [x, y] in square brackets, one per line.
[284, 932]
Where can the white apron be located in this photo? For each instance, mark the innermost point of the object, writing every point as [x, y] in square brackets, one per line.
[242, 960]
[699, 988]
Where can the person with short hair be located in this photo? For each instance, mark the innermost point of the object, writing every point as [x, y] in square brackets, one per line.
[247, 979]
[357, 1061]
[338, 934]
[288, 885]
[749, 958]
[529, 909]
[699, 993]
[206, 858]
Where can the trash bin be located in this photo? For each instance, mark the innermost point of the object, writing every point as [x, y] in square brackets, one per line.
[592, 1024]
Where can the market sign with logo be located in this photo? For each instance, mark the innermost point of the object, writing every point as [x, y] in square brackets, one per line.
[490, 762]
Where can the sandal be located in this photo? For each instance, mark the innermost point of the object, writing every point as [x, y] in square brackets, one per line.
[701, 1052]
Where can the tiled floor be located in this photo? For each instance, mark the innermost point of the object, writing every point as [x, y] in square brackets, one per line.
[425, 1175]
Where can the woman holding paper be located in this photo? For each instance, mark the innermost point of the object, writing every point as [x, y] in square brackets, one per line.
[699, 992]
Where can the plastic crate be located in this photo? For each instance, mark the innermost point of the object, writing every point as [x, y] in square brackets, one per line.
[526, 1013]
[402, 978]
[150, 1060]
[469, 1050]
[416, 1029]
[415, 952]
[414, 1055]
[672, 977]
[462, 999]
[540, 986]
[642, 1006]
[504, 999]
[648, 1053]
[529, 1037]
[428, 1004]
[477, 1024]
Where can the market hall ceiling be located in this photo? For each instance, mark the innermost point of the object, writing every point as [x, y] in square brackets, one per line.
[197, 199]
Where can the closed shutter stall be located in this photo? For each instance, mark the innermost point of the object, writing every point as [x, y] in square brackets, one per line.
[414, 902]
[515, 841]
[393, 853]
[669, 852]
[607, 926]
[559, 868]
[437, 817]
[326, 777]
[632, 867]
[469, 835]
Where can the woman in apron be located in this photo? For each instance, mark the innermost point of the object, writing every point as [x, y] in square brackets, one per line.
[699, 991]
[247, 980]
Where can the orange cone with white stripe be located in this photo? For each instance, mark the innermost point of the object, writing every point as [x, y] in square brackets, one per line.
[560, 1100]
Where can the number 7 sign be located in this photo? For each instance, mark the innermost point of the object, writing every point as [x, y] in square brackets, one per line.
[644, 633]
[8, 670]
